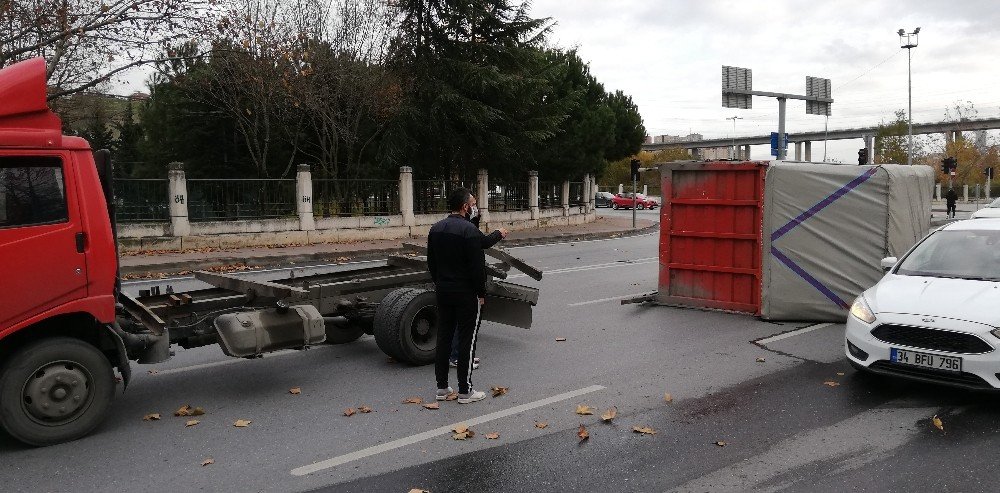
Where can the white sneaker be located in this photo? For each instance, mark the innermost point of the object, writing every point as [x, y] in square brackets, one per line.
[473, 396]
[442, 394]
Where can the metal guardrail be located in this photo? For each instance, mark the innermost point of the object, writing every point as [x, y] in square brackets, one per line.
[141, 200]
[234, 199]
[431, 196]
[345, 198]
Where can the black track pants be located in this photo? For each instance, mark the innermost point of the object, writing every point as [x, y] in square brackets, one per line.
[457, 312]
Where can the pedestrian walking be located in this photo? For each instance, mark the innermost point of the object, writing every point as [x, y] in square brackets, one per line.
[488, 242]
[950, 197]
[457, 266]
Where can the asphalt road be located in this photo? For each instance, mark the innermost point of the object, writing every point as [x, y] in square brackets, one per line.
[783, 428]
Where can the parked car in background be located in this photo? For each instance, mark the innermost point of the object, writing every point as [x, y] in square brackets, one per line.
[603, 199]
[991, 210]
[934, 316]
[625, 201]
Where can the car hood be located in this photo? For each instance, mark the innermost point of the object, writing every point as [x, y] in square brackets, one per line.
[987, 212]
[961, 299]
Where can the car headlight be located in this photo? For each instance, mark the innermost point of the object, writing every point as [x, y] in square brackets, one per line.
[861, 311]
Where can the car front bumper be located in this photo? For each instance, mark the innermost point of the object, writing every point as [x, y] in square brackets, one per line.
[865, 351]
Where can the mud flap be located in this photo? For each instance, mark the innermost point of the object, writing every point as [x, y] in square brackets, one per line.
[124, 367]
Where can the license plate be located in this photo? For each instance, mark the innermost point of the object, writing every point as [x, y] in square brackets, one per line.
[926, 360]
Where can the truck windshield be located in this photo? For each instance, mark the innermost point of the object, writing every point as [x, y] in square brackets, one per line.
[969, 254]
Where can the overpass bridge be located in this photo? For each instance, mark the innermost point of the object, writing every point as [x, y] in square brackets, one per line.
[803, 140]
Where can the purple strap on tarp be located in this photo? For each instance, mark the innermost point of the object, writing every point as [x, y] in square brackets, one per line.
[809, 278]
[823, 203]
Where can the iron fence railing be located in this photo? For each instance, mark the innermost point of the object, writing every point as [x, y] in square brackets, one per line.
[141, 200]
[509, 197]
[576, 196]
[233, 199]
[344, 198]
[431, 196]
[549, 194]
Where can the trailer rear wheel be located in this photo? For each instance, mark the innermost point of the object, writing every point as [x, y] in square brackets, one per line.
[55, 390]
[406, 325]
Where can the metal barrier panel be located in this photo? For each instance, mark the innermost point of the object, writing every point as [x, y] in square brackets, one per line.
[509, 197]
[576, 196]
[549, 195]
[431, 196]
[710, 227]
[344, 198]
[141, 200]
[234, 199]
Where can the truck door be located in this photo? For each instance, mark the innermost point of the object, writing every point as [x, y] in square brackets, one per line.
[41, 238]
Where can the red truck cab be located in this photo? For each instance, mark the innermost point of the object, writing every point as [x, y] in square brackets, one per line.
[58, 269]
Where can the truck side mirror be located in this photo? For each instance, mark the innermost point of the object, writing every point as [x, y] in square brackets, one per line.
[888, 263]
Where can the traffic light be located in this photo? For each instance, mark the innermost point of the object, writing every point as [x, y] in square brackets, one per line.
[989, 173]
[863, 156]
[635, 169]
[948, 165]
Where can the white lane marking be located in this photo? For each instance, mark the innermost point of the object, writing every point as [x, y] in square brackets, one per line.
[584, 241]
[602, 300]
[849, 444]
[419, 437]
[582, 268]
[793, 333]
[233, 361]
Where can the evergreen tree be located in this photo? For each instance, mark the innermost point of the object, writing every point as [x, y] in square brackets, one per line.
[126, 151]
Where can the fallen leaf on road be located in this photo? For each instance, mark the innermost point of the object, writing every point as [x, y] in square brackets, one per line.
[413, 400]
[610, 414]
[492, 436]
[462, 432]
[721, 443]
[151, 417]
[583, 433]
[584, 410]
[668, 398]
[498, 391]
[540, 424]
[645, 430]
[207, 462]
[840, 373]
[937, 422]
[560, 339]
[187, 410]
[830, 383]
[191, 422]
[349, 411]
[242, 423]
[432, 405]
[295, 390]
[760, 360]
[452, 396]
[418, 490]
[364, 409]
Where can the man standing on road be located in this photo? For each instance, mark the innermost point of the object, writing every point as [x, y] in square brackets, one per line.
[457, 265]
[950, 197]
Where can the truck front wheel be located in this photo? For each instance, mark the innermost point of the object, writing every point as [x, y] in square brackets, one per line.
[55, 390]
[406, 325]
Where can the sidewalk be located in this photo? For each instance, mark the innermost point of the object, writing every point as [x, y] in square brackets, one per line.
[157, 263]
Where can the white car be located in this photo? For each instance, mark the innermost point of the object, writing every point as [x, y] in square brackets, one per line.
[935, 316]
[991, 210]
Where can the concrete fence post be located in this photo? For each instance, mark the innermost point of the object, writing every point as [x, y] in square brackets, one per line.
[304, 198]
[965, 193]
[483, 196]
[533, 194]
[621, 188]
[645, 190]
[565, 197]
[178, 200]
[588, 193]
[937, 191]
[406, 196]
[593, 192]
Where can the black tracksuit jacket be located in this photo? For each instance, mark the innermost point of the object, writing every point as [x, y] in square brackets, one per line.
[455, 255]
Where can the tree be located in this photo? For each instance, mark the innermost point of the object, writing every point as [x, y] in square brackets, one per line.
[97, 129]
[891, 142]
[85, 43]
[629, 131]
[127, 147]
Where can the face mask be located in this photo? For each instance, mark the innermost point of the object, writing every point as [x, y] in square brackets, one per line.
[473, 212]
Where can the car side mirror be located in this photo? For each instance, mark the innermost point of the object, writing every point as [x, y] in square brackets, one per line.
[888, 263]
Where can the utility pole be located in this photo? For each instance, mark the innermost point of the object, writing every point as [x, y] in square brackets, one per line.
[909, 41]
[734, 153]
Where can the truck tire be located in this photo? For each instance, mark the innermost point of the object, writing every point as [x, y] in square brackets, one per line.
[406, 325]
[55, 390]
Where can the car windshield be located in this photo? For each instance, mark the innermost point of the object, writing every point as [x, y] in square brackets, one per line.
[959, 254]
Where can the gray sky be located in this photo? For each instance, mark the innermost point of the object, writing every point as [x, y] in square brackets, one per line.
[668, 55]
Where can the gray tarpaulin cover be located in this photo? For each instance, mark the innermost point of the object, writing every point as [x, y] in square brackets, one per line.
[826, 229]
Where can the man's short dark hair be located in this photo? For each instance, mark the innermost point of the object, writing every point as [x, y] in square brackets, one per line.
[457, 198]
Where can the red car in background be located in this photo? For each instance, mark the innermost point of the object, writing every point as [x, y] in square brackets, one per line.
[625, 201]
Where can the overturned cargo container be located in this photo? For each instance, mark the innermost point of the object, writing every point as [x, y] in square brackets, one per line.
[784, 240]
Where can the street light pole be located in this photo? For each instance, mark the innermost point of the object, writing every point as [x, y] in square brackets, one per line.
[909, 41]
[734, 118]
